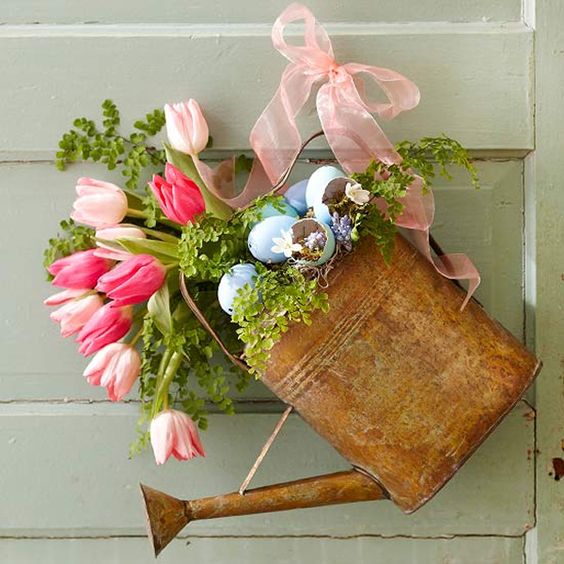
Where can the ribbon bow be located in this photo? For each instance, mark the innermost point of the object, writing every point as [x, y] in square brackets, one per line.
[353, 134]
[351, 131]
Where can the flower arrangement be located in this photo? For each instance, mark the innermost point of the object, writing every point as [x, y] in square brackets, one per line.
[255, 261]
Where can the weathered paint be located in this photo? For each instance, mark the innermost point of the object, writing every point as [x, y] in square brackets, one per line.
[547, 186]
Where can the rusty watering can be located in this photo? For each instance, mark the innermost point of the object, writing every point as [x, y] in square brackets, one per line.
[403, 384]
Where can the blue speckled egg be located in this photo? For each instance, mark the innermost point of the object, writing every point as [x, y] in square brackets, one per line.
[260, 238]
[232, 281]
[303, 227]
[295, 196]
[318, 181]
[269, 211]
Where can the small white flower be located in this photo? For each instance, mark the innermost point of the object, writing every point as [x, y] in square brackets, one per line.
[357, 194]
[285, 244]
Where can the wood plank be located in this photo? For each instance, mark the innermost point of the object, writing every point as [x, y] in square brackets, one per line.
[486, 550]
[487, 224]
[52, 75]
[546, 260]
[88, 487]
[199, 11]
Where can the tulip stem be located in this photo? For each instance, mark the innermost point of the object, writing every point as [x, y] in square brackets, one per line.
[170, 363]
[136, 337]
[136, 213]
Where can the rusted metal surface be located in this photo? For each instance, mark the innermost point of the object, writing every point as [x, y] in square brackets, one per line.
[400, 381]
[167, 516]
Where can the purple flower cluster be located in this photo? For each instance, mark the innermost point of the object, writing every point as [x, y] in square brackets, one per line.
[315, 241]
[342, 228]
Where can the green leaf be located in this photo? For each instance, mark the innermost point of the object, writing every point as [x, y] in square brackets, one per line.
[214, 206]
[159, 309]
[167, 252]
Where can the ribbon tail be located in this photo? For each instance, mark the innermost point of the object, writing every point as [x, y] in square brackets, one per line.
[352, 133]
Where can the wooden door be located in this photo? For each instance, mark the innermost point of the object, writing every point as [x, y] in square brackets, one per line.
[68, 491]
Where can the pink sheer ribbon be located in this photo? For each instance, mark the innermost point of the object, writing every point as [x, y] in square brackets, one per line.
[352, 133]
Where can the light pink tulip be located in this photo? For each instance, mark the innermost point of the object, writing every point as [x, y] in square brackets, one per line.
[179, 197]
[115, 367]
[79, 270]
[186, 127]
[173, 432]
[108, 325]
[123, 231]
[99, 204]
[74, 315]
[65, 296]
[133, 281]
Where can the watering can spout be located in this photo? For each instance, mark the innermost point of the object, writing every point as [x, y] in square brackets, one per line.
[167, 516]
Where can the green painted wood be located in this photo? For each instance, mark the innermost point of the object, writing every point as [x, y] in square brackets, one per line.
[454, 68]
[66, 473]
[35, 363]
[196, 11]
[260, 550]
[547, 265]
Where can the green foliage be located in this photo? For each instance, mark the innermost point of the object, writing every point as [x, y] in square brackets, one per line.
[424, 156]
[390, 182]
[263, 313]
[210, 246]
[72, 239]
[105, 144]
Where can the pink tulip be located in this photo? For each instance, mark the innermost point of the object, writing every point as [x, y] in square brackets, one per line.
[74, 315]
[123, 231]
[79, 270]
[115, 367]
[173, 432]
[107, 325]
[179, 197]
[186, 127]
[65, 296]
[99, 204]
[132, 281]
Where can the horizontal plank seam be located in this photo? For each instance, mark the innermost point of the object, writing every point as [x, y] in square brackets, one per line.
[195, 31]
[282, 536]
[482, 155]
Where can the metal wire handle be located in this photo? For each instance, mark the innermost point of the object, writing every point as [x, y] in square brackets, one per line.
[200, 316]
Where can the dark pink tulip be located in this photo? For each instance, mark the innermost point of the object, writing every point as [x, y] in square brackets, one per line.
[132, 281]
[179, 197]
[107, 325]
[79, 270]
[173, 432]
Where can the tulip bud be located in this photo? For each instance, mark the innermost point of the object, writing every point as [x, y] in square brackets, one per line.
[179, 197]
[115, 367]
[107, 325]
[133, 281]
[99, 204]
[186, 127]
[123, 231]
[73, 315]
[65, 296]
[79, 270]
[173, 432]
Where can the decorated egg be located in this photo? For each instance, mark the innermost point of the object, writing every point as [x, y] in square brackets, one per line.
[334, 191]
[231, 282]
[318, 181]
[261, 237]
[316, 239]
[269, 210]
[295, 196]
